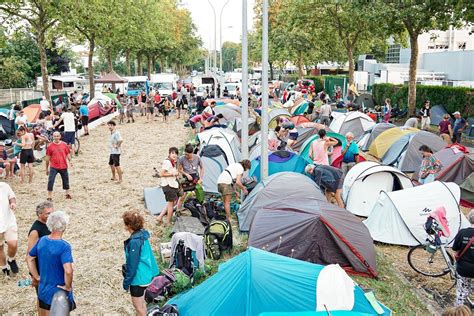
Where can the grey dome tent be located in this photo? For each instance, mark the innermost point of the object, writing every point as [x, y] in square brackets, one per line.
[369, 136]
[293, 218]
[437, 113]
[404, 153]
[214, 162]
[303, 135]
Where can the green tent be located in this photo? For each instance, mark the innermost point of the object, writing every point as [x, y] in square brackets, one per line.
[467, 190]
[114, 97]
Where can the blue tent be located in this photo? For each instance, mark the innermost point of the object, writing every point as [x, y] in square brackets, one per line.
[279, 161]
[258, 281]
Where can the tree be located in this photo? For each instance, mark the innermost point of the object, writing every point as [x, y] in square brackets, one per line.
[418, 17]
[41, 16]
[231, 56]
[13, 73]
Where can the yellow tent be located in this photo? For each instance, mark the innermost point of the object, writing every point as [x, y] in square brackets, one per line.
[383, 142]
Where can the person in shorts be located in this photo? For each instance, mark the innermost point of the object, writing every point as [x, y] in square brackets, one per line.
[329, 179]
[115, 151]
[69, 128]
[57, 161]
[228, 179]
[84, 112]
[150, 106]
[54, 257]
[26, 154]
[8, 229]
[169, 184]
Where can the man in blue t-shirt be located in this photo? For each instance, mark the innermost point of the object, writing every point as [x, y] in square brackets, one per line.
[350, 154]
[459, 125]
[55, 263]
[84, 112]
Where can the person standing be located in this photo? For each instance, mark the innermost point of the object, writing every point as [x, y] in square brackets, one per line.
[150, 106]
[430, 166]
[26, 154]
[464, 244]
[425, 114]
[459, 125]
[58, 160]
[142, 102]
[84, 112]
[115, 151]
[129, 109]
[387, 110]
[45, 106]
[325, 113]
[54, 256]
[229, 179]
[169, 184]
[350, 154]
[38, 230]
[318, 151]
[69, 128]
[8, 229]
[140, 267]
[445, 129]
[191, 167]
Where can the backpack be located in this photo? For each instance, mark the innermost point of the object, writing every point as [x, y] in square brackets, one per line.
[160, 286]
[217, 237]
[166, 310]
[184, 259]
[197, 210]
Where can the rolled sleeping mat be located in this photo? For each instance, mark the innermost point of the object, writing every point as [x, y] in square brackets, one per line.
[59, 304]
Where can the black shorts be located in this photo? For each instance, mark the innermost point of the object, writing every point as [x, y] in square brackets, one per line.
[150, 109]
[114, 160]
[69, 138]
[43, 305]
[85, 120]
[171, 194]
[137, 291]
[27, 156]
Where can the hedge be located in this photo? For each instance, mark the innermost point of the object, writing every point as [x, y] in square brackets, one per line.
[318, 80]
[452, 98]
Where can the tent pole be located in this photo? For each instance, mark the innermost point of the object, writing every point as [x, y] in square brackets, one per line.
[264, 126]
[245, 85]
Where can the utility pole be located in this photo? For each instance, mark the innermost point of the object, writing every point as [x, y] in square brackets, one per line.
[245, 85]
[264, 126]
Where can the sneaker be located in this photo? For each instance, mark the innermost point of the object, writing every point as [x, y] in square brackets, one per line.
[6, 271]
[13, 266]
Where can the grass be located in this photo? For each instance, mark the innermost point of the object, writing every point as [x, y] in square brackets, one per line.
[392, 291]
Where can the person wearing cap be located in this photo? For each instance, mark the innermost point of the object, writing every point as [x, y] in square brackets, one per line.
[446, 129]
[425, 113]
[459, 125]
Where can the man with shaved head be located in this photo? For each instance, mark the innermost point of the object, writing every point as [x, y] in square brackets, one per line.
[58, 160]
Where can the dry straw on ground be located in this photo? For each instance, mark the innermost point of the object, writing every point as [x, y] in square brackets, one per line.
[96, 231]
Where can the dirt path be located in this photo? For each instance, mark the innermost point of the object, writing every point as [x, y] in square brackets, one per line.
[96, 232]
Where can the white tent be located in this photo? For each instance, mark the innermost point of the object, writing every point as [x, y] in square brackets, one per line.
[364, 182]
[225, 138]
[398, 217]
[101, 98]
[355, 122]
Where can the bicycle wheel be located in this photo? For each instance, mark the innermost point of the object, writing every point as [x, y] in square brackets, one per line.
[426, 263]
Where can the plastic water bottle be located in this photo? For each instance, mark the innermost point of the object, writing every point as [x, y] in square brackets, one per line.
[24, 283]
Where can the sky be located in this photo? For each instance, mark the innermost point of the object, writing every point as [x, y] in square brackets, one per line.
[203, 18]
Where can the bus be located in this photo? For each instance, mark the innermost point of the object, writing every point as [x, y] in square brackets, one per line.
[136, 85]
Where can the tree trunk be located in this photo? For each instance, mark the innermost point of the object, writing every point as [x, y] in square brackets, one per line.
[110, 64]
[300, 65]
[350, 56]
[149, 66]
[412, 74]
[162, 64]
[43, 63]
[90, 69]
[153, 63]
[127, 61]
[139, 64]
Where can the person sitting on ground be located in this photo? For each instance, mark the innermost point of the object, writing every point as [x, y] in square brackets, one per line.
[350, 154]
[229, 179]
[430, 166]
[54, 256]
[191, 167]
[6, 163]
[446, 129]
[412, 122]
[169, 184]
[460, 124]
[38, 230]
[140, 267]
[329, 179]
[465, 263]
[318, 151]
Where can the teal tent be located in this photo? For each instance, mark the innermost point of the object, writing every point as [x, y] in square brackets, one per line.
[257, 281]
[304, 150]
[279, 161]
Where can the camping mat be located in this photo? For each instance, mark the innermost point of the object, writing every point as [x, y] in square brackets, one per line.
[188, 224]
[154, 200]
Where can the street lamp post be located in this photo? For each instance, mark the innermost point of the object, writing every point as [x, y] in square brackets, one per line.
[245, 85]
[215, 47]
[264, 126]
[220, 45]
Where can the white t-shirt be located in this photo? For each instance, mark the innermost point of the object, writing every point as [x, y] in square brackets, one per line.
[171, 181]
[44, 105]
[209, 110]
[21, 120]
[68, 119]
[325, 110]
[7, 217]
[235, 169]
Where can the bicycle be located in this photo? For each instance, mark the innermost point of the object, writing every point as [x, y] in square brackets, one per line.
[432, 259]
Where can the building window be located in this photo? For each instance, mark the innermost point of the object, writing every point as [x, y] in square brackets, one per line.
[393, 54]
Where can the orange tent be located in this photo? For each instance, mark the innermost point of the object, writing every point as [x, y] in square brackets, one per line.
[32, 112]
[299, 119]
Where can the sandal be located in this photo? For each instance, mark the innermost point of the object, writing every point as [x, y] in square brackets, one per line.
[68, 197]
[49, 199]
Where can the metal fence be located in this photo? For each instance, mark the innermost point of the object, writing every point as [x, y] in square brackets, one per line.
[27, 96]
